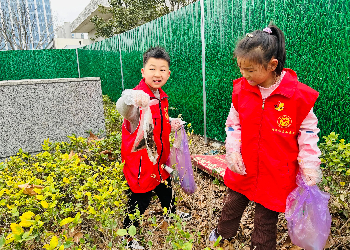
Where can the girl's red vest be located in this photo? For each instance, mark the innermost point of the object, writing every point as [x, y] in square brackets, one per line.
[141, 174]
[269, 139]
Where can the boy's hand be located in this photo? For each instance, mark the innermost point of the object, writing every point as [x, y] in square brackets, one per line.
[136, 97]
[235, 163]
[141, 99]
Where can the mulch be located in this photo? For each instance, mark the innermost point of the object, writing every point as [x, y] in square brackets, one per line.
[205, 206]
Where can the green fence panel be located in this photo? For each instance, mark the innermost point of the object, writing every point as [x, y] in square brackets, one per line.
[103, 60]
[38, 64]
[317, 44]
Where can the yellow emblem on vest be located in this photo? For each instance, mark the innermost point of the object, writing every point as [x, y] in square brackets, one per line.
[166, 113]
[284, 121]
[279, 106]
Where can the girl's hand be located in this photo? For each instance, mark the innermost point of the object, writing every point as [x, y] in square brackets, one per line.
[176, 123]
[311, 176]
[235, 163]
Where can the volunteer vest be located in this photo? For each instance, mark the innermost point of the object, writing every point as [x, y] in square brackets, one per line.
[141, 174]
[269, 131]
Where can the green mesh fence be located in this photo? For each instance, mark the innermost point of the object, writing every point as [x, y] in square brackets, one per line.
[317, 42]
[38, 64]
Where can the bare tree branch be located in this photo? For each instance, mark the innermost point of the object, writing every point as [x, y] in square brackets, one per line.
[19, 27]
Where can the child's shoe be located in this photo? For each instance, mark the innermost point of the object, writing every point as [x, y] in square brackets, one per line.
[184, 216]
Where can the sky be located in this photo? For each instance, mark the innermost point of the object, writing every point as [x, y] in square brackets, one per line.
[67, 10]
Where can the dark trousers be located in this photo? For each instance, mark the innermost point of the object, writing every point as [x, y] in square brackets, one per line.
[164, 193]
[264, 235]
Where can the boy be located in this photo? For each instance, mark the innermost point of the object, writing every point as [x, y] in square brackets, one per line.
[142, 175]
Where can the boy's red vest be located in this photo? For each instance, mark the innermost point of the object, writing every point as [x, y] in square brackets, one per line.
[269, 139]
[141, 174]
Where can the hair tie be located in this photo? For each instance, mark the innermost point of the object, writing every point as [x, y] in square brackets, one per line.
[249, 35]
[267, 30]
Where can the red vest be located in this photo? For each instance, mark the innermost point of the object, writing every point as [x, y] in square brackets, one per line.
[269, 139]
[141, 174]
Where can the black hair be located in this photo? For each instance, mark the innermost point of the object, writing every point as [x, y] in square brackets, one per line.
[261, 46]
[156, 52]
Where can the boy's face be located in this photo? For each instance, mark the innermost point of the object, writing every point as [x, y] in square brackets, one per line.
[156, 73]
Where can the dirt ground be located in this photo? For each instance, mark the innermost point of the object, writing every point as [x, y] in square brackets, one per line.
[205, 206]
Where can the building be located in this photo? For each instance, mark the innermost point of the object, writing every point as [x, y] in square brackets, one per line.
[82, 23]
[65, 39]
[21, 17]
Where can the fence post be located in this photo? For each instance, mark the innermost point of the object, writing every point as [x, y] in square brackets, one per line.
[203, 71]
[121, 61]
[76, 51]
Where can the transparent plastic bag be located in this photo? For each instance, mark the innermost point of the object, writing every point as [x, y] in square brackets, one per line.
[308, 217]
[180, 157]
[144, 137]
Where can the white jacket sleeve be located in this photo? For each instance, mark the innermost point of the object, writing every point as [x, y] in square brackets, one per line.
[309, 153]
[233, 132]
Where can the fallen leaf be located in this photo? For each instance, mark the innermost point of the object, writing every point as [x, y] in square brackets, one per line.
[287, 242]
[164, 226]
[294, 247]
[77, 237]
[330, 242]
[29, 188]
[71, 154]
[109, 154]
[93, 137]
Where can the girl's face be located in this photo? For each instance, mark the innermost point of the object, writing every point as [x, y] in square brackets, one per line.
[257, 74]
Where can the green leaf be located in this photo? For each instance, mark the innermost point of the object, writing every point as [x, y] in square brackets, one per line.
[122, 232]
[132, 230]
[217, 241]
[2, 241]
[76, 218]
[187, 246]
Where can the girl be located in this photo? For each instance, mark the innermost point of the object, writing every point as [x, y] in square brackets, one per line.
[271, 135]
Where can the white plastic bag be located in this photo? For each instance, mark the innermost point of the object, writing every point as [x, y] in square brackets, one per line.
[144, 137]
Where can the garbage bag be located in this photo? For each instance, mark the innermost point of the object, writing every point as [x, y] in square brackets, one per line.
[308, 217]
[180, 157]
[144, 137]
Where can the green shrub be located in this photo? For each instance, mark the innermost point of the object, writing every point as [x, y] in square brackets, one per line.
[336, 170]
[68, 196]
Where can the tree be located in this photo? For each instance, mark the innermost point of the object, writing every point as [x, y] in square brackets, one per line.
[128, 14]
[19, 29]
[177, 4]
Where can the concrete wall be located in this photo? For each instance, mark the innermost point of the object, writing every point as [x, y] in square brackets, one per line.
[34, 110]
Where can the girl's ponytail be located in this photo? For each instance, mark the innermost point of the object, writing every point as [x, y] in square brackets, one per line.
[261, 46]
[281, 49]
